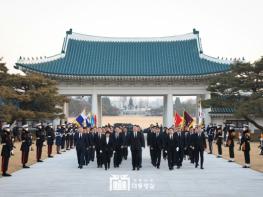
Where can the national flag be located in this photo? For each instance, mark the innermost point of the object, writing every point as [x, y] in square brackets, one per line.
[200, 115]
[177, 119]
[95, 120]
[188, 120]
[80, 119]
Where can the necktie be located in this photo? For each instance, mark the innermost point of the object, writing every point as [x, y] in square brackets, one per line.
[135, 134]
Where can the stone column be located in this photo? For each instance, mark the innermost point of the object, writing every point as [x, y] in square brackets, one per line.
[65, 110]
[99, 115]
[207, 110]
[168, 103]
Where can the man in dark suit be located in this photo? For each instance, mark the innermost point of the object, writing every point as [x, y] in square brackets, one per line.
[87, 155]
[199, 147]
[92, 144]
[180, 144]
[98, 147]
[107, 149]
[117, 158]
[150, 136]
[170, 148]
[124, 147]
[81, 145]
[136, 142]
[157, 144]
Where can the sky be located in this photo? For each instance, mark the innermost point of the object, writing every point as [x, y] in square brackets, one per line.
[34, 28]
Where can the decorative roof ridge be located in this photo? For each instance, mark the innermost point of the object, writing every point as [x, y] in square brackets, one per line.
[37, 60]
[84, 37]
[213, 59]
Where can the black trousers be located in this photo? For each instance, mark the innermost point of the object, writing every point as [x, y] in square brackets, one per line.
[171, 158]
[87, 156]
[125, 152]
[106, 159]
[24, 157]
[199, 152]
[231, 152]
[152, 154]
[80, 156]
[39, 152]
[91, 154]
[157, 157]
[140, 158]
[67, 143]
[219, 148]
[210, 143]
[117, 158]
[63, 142]
[136, 158]
[5, 161]
[191, 155]
[247, 157]
[99, 158]
[179, 156]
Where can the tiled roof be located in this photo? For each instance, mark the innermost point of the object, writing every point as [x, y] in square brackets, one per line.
[109, 57]
[222, 110]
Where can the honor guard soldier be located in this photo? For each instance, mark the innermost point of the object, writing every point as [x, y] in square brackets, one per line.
[67, 136]
[219, 140]
[230, 142]
[63, 138]
[58, 136]
[50, 139]
[25, 146]
[261, 144]
[7, 148]
[71, 136]
[199, 147]
[40, 139]
[245, 145]
[210, 136]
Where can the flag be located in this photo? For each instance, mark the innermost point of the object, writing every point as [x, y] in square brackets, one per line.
[177, 119]
[188, 120]
[92, 120]
[95, 120]
[80, 119]
[88, 122]
[201, 116]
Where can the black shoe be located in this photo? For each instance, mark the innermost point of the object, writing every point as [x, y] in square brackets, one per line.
[244, 167]
[80, 167]
[171, 168]
[40, 160]
[201, 168]
[24, 166]
[50, 156]
[196, 166]
[6, 174]
[138, 168]
[230, 161]
[158, 167]
[59, 153]
[133, 169]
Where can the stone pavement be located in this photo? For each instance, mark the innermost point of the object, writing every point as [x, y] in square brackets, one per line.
[61, 177]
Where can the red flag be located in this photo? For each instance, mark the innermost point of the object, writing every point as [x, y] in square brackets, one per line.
[95, 120]
[177, 119]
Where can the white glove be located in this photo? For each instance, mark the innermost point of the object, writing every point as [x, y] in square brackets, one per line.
[177, 149]
[12, 152]
[101, 151]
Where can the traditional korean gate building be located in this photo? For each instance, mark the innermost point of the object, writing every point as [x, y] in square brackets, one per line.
[104, 66]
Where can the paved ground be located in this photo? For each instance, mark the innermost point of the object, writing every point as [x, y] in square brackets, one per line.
[61, 177]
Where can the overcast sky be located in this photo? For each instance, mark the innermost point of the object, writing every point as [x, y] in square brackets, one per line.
[228, 28]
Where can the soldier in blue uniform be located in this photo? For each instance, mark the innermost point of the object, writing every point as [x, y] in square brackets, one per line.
[210, 137]
[40, 139]
[7, 148]
[50, 139]
[230, 142]
[58, 136]
[25, 146]
[219, 140]
[245, 144]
